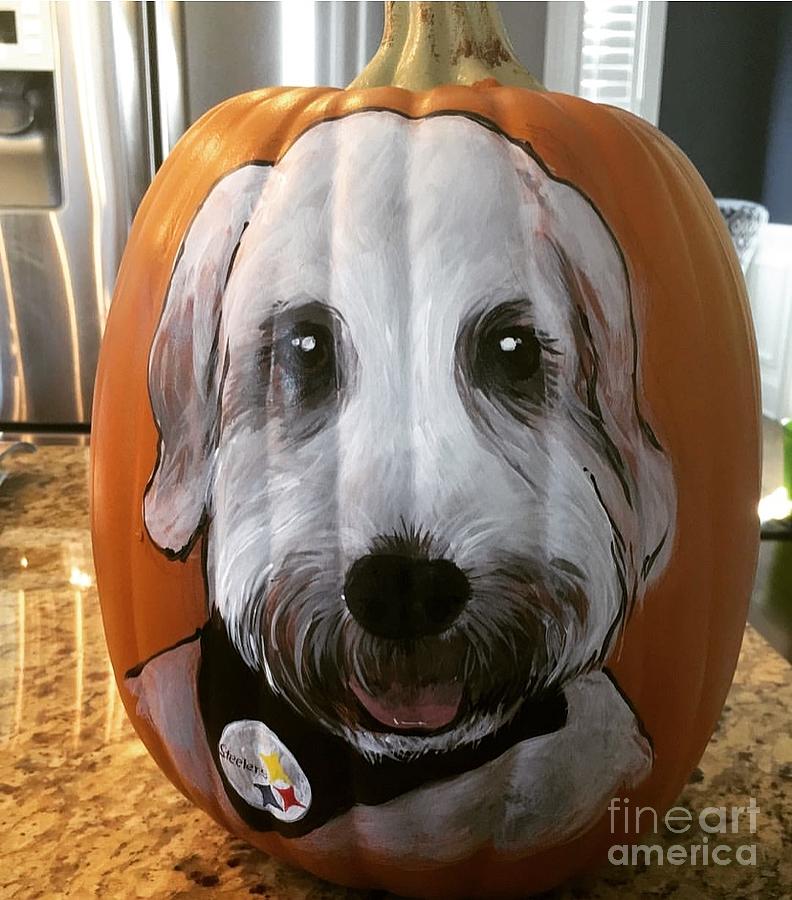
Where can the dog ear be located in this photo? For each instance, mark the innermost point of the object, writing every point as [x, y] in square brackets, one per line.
[184, 379]
[591, 265]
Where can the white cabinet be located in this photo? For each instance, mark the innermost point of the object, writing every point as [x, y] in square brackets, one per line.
[769, 281]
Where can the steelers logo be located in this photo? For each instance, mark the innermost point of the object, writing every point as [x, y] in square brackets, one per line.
[262, 770]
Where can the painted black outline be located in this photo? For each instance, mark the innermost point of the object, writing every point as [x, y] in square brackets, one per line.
[606, 670]
[138, 667]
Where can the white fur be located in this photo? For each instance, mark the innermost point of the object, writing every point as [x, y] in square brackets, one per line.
[406, 229]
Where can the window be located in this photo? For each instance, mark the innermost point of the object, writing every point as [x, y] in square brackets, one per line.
[608, 52]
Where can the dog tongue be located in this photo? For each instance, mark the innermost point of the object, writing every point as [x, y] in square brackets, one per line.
[426, 708]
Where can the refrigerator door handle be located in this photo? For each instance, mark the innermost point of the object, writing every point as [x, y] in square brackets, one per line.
[168, 73]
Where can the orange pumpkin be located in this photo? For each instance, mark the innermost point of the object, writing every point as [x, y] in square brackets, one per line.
[425, 466]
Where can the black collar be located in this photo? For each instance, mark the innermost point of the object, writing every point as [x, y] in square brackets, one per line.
[339, 776]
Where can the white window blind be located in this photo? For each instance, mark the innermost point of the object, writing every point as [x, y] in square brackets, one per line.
[608, 52]
[610, 57]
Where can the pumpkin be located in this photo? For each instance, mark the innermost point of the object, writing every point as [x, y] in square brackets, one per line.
[424, 468]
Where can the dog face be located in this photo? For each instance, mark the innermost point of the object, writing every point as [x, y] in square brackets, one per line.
[396, 385]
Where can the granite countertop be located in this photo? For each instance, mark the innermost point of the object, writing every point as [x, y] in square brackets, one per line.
[85, 812]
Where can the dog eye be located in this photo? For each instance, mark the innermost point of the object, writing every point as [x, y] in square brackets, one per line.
[508, 360]
[306, 363]
[310, 347]
[512, 353]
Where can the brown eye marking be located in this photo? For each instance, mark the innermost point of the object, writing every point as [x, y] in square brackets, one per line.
[507, 358]
[300, 360]
[306, 359]
[510, 354]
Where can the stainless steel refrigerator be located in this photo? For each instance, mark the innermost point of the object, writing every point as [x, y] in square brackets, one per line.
[92, 97]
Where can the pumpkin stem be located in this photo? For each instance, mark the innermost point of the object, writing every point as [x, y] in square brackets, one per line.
[428, 44]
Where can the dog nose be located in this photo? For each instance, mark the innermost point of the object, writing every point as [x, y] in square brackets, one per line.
[394, 596]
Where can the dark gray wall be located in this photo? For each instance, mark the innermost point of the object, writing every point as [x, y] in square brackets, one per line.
[721, 78]
[777, 188]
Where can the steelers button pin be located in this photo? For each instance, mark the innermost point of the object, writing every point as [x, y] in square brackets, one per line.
[263, 771]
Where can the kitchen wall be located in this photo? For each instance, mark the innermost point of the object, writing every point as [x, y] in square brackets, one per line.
[231, 47]
[727, 97]
[777, 187]
[525, 24]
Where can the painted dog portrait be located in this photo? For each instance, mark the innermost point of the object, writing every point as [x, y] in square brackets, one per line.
[397, 387]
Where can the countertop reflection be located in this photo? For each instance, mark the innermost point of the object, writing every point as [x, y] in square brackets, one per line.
[85, 812]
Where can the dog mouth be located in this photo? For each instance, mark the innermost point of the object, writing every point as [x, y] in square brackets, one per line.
[411, 687]
[470, 680]
[411, 707]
